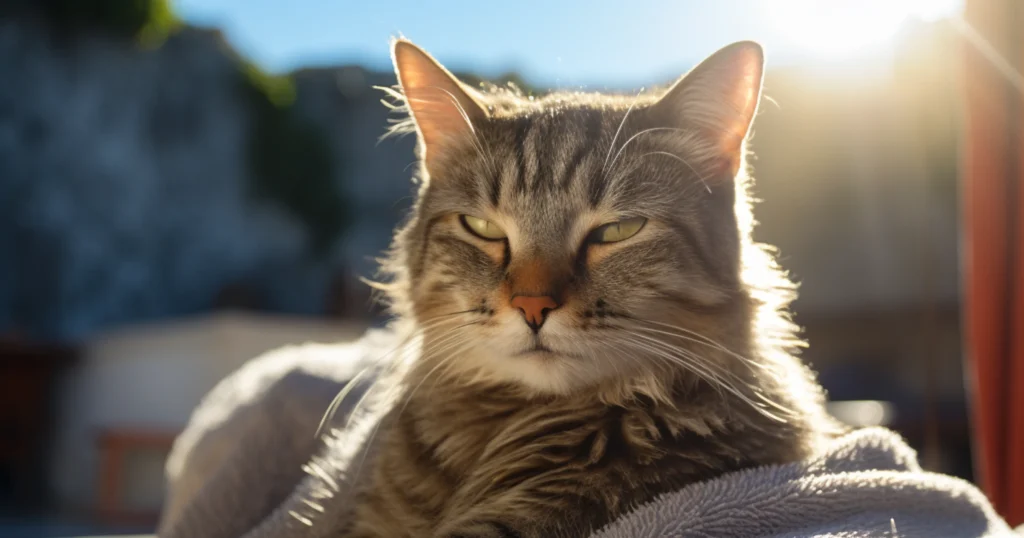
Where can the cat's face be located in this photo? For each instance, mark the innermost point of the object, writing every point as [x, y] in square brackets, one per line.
[559, 242]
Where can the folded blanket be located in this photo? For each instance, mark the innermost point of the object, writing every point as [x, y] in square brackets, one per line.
[867, 483]
[249, 464]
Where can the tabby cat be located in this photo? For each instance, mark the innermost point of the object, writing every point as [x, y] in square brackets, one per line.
[596, 325]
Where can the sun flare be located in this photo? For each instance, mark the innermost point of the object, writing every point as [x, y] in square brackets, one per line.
[832, 28]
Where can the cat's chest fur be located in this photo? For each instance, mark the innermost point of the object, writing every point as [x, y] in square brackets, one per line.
[464, 462]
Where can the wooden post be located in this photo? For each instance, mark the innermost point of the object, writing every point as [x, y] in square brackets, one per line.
[993, 198]
[114, 446]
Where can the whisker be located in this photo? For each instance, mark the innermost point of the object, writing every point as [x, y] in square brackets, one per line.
[452, 344]
[450, 314]
[721, 370]
[682, 160]
[376, 427]
[684, 362]
[611, 147]
[429, 324]
[708, 368]
[340, 397]
[333, 407]
[634, 137]
[698, 338]
[691, 360]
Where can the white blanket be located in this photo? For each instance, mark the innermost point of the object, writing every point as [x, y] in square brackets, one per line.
[249, 465]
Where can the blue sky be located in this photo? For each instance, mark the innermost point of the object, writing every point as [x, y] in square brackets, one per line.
[596, 43]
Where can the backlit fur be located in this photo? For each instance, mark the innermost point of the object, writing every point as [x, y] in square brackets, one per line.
[671, 357]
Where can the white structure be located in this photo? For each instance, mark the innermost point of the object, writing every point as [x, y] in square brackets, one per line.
[150, 377]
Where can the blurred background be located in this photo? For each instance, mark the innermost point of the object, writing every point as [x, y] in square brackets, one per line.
[185, 184]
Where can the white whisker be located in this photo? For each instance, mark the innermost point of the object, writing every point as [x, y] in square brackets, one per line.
[698, 338]
[634, 137]
[430, 324]
[611, 146]
[682, 160]
[712, 373]
[376, 427]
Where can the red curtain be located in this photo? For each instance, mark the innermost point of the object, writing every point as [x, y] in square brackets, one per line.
[993, 248]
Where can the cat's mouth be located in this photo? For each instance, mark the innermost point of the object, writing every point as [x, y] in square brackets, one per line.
[537, 349]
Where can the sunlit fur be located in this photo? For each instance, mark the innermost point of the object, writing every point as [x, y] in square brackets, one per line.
[653, 277]
[671, 357]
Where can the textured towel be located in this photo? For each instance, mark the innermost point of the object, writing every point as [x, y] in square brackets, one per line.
[867, 483]
[248, 465]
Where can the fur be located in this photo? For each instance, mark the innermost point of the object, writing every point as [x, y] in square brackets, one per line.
[670, 358]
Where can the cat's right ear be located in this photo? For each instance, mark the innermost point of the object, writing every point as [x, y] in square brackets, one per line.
[719, 98]
[443, 109]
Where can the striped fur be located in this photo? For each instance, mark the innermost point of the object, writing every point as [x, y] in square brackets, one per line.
[670, 359]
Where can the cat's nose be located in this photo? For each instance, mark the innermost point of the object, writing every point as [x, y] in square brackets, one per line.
[535, 308]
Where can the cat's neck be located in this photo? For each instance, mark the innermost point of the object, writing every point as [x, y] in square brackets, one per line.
[462, 419]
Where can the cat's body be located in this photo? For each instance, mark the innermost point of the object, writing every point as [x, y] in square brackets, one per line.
[459, 461]
[596, 326]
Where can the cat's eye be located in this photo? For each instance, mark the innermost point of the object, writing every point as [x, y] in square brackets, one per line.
[484, 229]
[614, 232]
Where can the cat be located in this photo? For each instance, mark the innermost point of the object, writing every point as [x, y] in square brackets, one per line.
[596, 325]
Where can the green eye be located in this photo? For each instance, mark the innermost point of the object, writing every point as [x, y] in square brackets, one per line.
[614, 232]
[484, 229]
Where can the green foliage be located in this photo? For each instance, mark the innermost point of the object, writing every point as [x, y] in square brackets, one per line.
[279, 90]
[160, 23]
[147, 21]
[290, 160]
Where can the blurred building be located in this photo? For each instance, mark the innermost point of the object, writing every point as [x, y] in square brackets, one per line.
[137, 386]
[858, 166]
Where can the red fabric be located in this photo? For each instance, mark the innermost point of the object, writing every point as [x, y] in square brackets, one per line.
[993, 196]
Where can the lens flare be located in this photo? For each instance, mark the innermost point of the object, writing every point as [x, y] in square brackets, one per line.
[837, 28]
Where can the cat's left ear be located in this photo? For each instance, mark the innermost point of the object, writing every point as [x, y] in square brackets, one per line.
[443, 108]
[719, 98]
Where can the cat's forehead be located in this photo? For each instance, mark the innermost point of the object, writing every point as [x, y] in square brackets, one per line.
[551, 167]
[550, 162]
[592, 119]
[558, 162]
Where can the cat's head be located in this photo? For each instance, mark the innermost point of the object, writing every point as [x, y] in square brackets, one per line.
[561, 241]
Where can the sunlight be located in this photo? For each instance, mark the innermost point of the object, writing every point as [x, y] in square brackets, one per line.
[838, 28]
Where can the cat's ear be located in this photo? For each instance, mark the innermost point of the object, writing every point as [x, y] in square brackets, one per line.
[443, 109]
[719, 97]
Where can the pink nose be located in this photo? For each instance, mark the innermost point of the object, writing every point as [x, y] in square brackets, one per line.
[534, 308]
